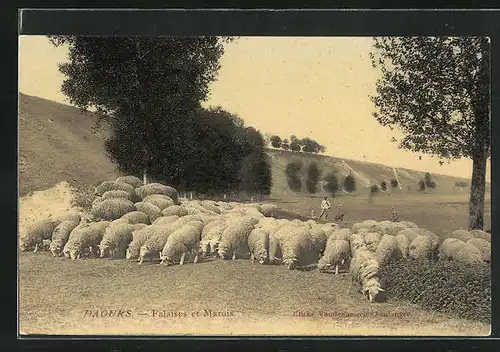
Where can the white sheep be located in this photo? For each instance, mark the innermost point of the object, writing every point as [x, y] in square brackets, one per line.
[151, 210]
[258, 244]
[423, 247]
[455, 249]
[318, 240]
[164, 220]
[337, 252]
[160, 200]
[403, 244]
[364, 270]
[175, 210]
[388, 250]
[116, 239]
[296, 246]
[36, 233]
[481, 234]
[211, 236]
[483, 246]
[269, 210]
[131, 180]
[137, 217]
[154, 244]
[84, 237]
[139, 237]
[372, 239]
[181, 242]
[342, 234]
[234, 238]
[60, 236]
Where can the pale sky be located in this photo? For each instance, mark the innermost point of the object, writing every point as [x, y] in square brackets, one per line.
[315, 87]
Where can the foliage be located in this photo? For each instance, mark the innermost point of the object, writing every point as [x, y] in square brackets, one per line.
[285, 145]
[460, 289]
[383, 186]
[421, 185]
[313, 174]
[350, 183]
[429, 182]
[374, 189]
[461, 184]
[293, 175]
[255, 173]
[436, 91]
[276, 141]
[394, 183]
[332, 184]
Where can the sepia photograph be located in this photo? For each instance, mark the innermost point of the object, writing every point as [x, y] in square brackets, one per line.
[254, 186]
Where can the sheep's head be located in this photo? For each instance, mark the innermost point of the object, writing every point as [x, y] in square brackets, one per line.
[262, 257]
[291, 263]
[166, 260]
[74, 253]
[104, 249]
[373, 292]
[204, 248]
[55, 249]
[223, 252]
[144, 251]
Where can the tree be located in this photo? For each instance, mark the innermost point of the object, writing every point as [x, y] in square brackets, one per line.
[276, 141]
[429, 183]
[313, 174]
[332, 184]
[421, 185]
[285, 145]
[255, 173]
[383, 186]
[394, 183]
[149, 86]
[292, 172]
[350, 183]
[436, 90]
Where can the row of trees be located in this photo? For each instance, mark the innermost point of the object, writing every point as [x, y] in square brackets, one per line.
[152, 88]
[295, 144]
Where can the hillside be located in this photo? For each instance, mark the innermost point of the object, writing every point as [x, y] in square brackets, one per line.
[58, 143]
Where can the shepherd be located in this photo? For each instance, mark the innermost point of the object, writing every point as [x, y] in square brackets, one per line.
[325, 206]
[340, 214]
[395, 215]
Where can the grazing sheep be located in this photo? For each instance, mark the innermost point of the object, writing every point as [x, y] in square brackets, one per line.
[136, 217]
[112, 208]
[337, 252]
[159, 200]
[210, 205]
[462, 235]
[483, 246]
[367, 224]
[423, 247]
[188, 218]
[181, 242]
[342, 234]
[433, 236]
[409, 233]
[234, 238]
[122, 186]
[318, 240]
[139, 237]
[455, 249]
[258, 244]
[117, 194]
[155, 244]
[211, 236]
[69, 216]
[151, 210]
[164, 220]
[175, 210]
[269, 210]
[448, 247]
[104, 187]
[116, 239]
[481, 234]
[364, 270]
[409, 224]
[60, 236]
[403, 244]
[139, 226]
[372, 239]
[157, 188]
[131, 180]
[388, 250]
[296, 247]
[357, 242]
[36, 233]
[275, 255]
[85, 237]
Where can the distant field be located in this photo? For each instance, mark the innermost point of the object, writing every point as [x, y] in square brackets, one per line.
[55, 294]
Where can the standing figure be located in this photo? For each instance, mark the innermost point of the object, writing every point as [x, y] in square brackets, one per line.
[395, 216]
[325, 206]
[340, 214]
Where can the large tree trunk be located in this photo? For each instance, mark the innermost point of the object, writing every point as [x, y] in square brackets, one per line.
[477, 189]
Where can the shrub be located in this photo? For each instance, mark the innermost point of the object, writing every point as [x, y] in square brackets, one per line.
[292, 172]
[374, 189]
[421, 185]
[350, 183]
[394, 183]
[461, 184]
[383, 186]
[429, 183]
[312, 177]
[450, 287]
[276, 141]
[332, 184]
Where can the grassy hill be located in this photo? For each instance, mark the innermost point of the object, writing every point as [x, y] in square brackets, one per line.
[60, 143]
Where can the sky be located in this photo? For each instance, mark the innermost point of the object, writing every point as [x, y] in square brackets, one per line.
[317, 87]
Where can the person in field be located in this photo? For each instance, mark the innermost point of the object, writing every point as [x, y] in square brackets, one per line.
[325, 206]
[340, 214]
[395, 215]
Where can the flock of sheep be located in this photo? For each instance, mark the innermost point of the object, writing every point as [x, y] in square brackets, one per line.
[146, 222]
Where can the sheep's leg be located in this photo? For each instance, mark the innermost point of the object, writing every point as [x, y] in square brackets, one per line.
[252, 257]
[336, 269]
[141, 259]
[183, 256]
[234, 255]
[195, 258]
[36, 248]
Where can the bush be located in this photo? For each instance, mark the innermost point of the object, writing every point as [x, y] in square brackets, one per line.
[461, 184]
[383, 186]
[292, 172]
[374, 189]
[312, 178]
[429, 183]
[459, 289]
[350, 183]
[421, 185]
[332, 184]
[394, 183]
[276, 141]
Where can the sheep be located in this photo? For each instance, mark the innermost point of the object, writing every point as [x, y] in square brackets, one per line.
[36, 233]
[69, 216]
[403, 244]
[131, 180]
[410, 234]
[357, 242]
[336, 253]
[211, 236]
[234, 238]
[164, 220]
[181, 242]
[367, 224]
[112, 208]
[83, 237]
[318, 240]
[139, 226]
[60, 236]
[342, 234]
[188, 218]
[481, 234]
[296, 247]
[157, 188]
[159, 200]
[156, 243]
[136, 217]
[409, 224]
[116, 194]
[139, 237]
[122, 186]
[275, 255]
[104, 187]
[116, 239]
[483, 246]
[372, 239]
[388, 250]
[258, 244]
[434, 238]
[175, 210]
[364, 270]
[422, 247]
[151, 210]
[455, 249]
[462, 235]
[211, 206]
[269, 210]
